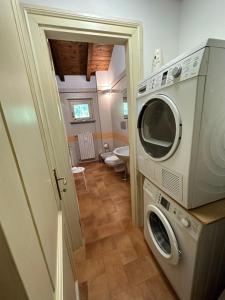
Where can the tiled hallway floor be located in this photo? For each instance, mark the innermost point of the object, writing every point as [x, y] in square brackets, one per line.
[115, 262]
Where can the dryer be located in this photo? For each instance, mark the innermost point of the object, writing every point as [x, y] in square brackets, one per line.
[190, 253]
[181, 126]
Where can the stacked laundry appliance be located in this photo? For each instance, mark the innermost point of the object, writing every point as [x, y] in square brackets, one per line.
[181, 153]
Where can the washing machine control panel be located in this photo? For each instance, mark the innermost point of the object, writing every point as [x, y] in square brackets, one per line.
[185, 222]
[180, 70]
[172, 210]
[180, 215]
[165, 203]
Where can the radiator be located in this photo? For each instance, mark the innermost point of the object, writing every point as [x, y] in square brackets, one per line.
[86, 145]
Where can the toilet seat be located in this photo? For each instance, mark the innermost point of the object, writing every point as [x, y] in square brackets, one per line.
[113, 160]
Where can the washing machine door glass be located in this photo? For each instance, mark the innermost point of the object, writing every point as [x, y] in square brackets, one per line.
[159, 127]
[162, 235]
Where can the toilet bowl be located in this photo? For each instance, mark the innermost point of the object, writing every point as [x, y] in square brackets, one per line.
[106, 154]
[115, 162]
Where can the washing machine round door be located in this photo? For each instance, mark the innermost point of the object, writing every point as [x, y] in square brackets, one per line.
[162, 235]
[159, 127]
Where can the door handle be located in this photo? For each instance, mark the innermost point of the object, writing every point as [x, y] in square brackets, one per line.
[63, 179]
[57, 179]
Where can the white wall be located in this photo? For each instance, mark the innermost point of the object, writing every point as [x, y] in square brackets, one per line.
[76, 81]
[160, 20]
[76, 87]
[120, 134]
[103, 80]
[111, 105]
[73, 129]
[117, 66]
[104, 102]
[199, 20]
[118, 62]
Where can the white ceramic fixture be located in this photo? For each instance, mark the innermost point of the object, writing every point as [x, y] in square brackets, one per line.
[122, 152]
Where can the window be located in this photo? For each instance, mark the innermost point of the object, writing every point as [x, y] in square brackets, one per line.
[125, 108]
[81, 110]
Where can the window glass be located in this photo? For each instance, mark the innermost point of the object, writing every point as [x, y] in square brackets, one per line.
[125, 109]
[81, 111]
[160, 233]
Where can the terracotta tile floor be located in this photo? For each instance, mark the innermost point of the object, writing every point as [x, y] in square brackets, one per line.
[115, 263]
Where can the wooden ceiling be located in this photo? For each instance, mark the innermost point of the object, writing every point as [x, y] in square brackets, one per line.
[74, 58]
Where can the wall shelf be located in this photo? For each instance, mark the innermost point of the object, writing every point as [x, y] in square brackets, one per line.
[82, 122]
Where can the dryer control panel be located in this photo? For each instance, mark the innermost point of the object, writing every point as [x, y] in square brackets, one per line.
[179, 70]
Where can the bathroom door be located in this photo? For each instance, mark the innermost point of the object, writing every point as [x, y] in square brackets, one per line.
[20, 138]
[53, 127]
[27, 277]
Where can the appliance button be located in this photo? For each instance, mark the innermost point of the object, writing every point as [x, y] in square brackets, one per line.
[176, 71]
[185, 222]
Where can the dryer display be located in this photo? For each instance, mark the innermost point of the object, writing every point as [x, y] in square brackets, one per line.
[164, 77]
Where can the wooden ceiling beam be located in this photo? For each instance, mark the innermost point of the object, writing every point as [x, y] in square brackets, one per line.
[75, 58]
[56, 59]
[89, 61]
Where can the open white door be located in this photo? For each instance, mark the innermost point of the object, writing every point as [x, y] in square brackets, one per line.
[65, 276]
[21, 124]
[48, 106]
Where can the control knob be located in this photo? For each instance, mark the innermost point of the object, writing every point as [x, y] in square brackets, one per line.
[185, 222]
[176, 71]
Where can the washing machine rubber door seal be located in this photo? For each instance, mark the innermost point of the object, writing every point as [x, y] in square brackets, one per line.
[162, 235]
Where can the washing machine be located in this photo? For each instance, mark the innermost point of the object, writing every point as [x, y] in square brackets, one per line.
[181, 126]
[191, 254]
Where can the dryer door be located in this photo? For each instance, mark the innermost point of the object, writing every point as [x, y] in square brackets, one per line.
[159, 127]
[162, 235]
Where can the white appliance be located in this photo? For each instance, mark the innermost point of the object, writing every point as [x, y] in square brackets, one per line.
[190, 253]
[181, 126]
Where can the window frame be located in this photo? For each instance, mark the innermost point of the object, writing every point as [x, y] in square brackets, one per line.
[125, 116]
[125, 100]
[88, 101]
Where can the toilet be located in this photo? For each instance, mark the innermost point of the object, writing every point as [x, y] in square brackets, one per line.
[112, 160]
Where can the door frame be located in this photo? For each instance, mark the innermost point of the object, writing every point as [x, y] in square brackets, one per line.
[68, 26]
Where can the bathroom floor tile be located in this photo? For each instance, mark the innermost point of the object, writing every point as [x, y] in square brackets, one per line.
[115, 263]
[100, 247]
[140, 270]
[98, 288]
